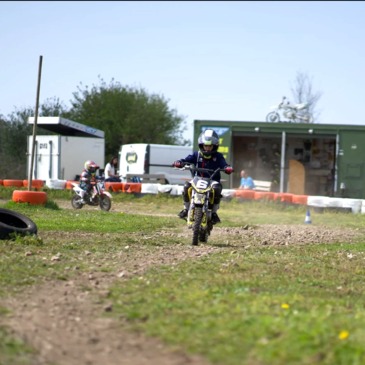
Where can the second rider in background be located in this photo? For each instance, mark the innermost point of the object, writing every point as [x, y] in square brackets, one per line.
[87, 178]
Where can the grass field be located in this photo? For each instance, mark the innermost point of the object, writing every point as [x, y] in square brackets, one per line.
[249, 304]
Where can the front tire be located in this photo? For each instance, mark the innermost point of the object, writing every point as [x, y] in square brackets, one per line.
[203, 235]
[76, 202]
[198, 217]
[273, 117]
[105, 203]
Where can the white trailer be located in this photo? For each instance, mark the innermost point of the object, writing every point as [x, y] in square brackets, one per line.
[153, 159]
[62, 157]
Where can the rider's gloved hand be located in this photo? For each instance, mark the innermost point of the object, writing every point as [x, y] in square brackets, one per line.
[228, 170]
[177, 164]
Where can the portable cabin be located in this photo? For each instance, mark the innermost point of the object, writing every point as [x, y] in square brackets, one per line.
[61, 156]
[298, 158]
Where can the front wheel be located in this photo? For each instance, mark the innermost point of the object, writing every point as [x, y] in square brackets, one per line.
[76, 202]
[105, 203]
[203, 235]
[198, 217]
[273, 117]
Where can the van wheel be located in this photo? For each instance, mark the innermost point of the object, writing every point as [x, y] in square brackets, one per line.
[15, 223]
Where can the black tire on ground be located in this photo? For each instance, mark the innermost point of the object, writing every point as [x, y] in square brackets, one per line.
[76, 202]
[203, 235]
[105, 203]
[198, 217]
[14, 223]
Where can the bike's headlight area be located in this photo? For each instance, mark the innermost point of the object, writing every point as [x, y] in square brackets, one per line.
[199, 198]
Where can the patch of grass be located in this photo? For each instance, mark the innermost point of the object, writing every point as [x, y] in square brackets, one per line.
[14, 351]
[289, 305]
[26, 260]
[239, 212]
[88, 220]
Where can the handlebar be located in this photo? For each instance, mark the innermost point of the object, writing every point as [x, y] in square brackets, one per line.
[193, 169]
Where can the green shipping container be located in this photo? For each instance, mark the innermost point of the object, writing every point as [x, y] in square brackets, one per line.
[299, 158]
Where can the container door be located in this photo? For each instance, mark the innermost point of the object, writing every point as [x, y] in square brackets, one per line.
[45, 163]
[351, 165]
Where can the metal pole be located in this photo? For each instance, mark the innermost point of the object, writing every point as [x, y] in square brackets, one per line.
[35, 123]
[282, 162]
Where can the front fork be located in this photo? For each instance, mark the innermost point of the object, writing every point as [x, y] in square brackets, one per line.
[207, 212]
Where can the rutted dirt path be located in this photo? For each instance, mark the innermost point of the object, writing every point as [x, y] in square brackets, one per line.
[65, 320]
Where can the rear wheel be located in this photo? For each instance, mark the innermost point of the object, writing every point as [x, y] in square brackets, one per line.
[76, 202]
[105, 203]
[196, 225]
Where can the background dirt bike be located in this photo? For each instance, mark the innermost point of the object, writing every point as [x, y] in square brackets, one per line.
[294, 112]
[201, 195]
[100, 197]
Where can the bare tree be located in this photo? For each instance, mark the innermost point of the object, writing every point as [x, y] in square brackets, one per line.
[302, 92]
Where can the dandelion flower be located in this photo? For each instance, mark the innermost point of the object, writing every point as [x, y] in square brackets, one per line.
[343, 335]
[285, 306]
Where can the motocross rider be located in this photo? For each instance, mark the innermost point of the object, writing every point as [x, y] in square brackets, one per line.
[207, 157]
[88, 176]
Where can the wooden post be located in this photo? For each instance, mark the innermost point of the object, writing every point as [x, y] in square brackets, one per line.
[35, 123]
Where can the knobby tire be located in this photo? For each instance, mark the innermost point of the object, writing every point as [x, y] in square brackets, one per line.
[198, 217]
[75, 202]
[273, 117]
[105, 203]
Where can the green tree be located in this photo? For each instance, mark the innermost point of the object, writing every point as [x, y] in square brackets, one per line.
[14, 132]
[52, 107]
[127, 115]
[13, 145]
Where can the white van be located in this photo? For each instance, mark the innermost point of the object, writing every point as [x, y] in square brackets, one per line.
[146, 159]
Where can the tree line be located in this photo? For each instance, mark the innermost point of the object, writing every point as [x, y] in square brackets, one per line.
[125, 114]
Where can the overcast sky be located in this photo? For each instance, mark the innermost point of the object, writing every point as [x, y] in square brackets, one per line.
[211, 59]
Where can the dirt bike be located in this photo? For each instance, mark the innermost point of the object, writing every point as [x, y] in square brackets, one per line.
[99, 196]
[294, 112]
[201, 194]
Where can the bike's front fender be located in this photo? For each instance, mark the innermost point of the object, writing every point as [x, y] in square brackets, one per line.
[77, 189]
[199, 199]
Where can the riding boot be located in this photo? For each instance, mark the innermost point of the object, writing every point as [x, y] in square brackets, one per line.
[215, 218]
[82, 193]
[184, 213]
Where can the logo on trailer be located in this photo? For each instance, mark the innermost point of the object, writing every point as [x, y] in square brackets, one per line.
[131, 157]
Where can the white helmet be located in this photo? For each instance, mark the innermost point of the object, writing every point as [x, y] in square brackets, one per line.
[91, 166]
[209, 138]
